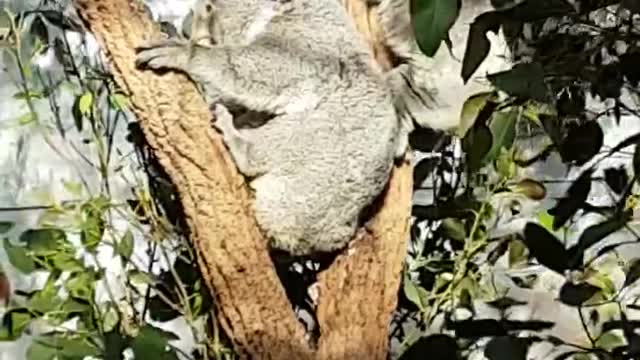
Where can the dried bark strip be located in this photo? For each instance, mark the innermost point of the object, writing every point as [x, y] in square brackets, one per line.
[358, 293]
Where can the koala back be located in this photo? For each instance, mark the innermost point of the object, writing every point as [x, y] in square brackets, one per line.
[328, 151]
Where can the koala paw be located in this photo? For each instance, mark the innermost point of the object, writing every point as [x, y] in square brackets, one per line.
[169, 53]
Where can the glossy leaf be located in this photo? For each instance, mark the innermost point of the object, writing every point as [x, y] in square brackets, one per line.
[582, 143]
[153, 342]
[18, 257]
[478, 44]
[503, 131]
[125, 245]
[431, 20]
[476, 145]
[616, 178]
[577, 294]
[470, 110]
[43, 241]
[523, 81]
[546, 248]
[573, 200]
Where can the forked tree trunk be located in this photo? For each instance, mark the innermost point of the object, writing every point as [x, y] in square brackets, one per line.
[357, 293]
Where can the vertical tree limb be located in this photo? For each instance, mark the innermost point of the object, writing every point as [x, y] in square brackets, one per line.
[358, 293]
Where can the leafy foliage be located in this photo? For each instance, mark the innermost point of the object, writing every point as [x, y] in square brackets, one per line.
[565, 57]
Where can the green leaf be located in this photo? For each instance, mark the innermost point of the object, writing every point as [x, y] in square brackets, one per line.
[545, 220]
[505, 165]
[47, 299]
[125, 245]
[431, 20]
[577, 294]
[119, 101]
[523, 80]
[5, 226]
[582, 143]
[81, 285]
[609, 341]
[62, 348]
[72, 306]
[546, 248]
[573, 200]
[85, 102]
[454, 228]
[478, 44]
[66, 261]
[114, 344]
[74, 188]
[415, 293]
[93, 226]
[18, 257]
[503, 131]
[40, 351]
[139, 277]
[476, 144]
[470, 111]
[517, 253]
[44, 241]
[153, 342]
[14, 322]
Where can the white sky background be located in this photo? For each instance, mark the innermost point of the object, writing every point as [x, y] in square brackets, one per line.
[29, 168]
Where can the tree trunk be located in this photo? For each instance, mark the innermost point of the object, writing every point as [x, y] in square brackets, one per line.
[357, 293]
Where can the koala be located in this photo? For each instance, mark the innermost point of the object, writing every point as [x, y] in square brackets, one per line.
[328, 148]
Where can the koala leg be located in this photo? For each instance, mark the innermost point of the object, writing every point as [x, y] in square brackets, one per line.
[240, 147]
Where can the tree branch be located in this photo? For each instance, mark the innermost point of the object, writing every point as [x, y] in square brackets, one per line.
[358, 293]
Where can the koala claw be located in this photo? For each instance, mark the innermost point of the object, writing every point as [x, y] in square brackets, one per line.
[164, 54]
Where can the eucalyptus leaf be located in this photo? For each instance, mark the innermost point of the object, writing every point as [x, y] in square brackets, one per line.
[431, 20]
[546, 248]
[153, 342]
[125, 245]
[18, 257]
[478, 44]
[523, 80]
[44, 241]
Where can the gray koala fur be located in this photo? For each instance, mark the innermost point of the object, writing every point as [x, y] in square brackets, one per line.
[328, 150]
[411, 80]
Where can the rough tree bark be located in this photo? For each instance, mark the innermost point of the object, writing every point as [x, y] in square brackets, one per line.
[357, 293]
